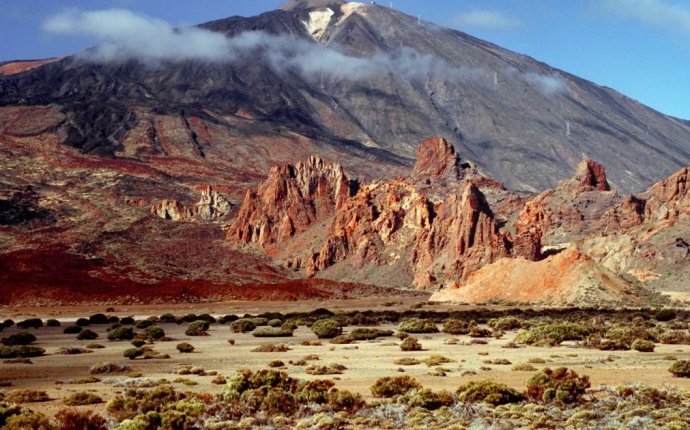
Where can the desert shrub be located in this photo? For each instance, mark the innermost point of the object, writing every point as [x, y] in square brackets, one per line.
[95, 346]
[665, 315]
[82, 322]
[271, 332]
[410, 344]
[427, 399]
[27, 419]
[276, 363]
[642, 345]
[369, 333]
[30, 323]
[259, 321]
[523, 367]
[499, 361]
[342, 339]
[561, 385]
[82, 398]
[27, 396]
[80, 420]
[275, 322]
[489, 392]
[227, 319]
[476, 331]
[167, 318]
[87, 334]
[185, 347]
[418, 325]
[138, 342]
[242, 325]
[289, 325]
[72, 329]
[436, 360]
[392, 386]
[134, 402]
[154, 332]
[98, 319]
[121, 333]
[142, 324]
[52, 322]
[21, 338]
[189, 318]
[112, 319]
[329, 369]
[622, 337]
[107, 367]
[680, 368]
[326, 328]
[72, 350]
[197, 328]
[127, 321]
[407, 361]
[207, 317]
[506, 323]
[133, 353]
[551, 334]
[536, 360]
[14, 351]
[270, 347]
[674, 337]
[219, 380]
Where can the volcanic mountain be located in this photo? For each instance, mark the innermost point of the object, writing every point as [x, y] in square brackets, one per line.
[280, 159]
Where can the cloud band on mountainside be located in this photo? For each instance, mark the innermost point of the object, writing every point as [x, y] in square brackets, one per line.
[125, 35]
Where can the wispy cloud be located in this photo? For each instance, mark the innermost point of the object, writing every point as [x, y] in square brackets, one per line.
[485, 19]
[656, 13]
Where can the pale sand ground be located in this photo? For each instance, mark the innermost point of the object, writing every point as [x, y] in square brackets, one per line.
[366, 361]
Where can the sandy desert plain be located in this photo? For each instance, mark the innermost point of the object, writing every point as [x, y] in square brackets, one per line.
[626, 389]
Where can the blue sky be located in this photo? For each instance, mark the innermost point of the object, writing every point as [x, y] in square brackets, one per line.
[638, 47]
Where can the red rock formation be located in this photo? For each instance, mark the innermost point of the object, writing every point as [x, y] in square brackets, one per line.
[436, 158]
[669, 200]
[211, 206]
[591, 175]
[289, 201]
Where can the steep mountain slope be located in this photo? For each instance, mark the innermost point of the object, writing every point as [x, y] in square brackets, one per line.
[398, 82]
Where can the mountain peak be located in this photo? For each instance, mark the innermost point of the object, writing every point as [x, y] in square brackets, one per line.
[292, 5]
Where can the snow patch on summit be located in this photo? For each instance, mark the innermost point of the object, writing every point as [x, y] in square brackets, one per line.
[318, 22]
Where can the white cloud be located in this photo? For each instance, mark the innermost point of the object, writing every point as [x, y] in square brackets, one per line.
[485, 19]
[656, 13]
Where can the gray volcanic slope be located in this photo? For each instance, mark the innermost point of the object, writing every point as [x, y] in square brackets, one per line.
[398, 82]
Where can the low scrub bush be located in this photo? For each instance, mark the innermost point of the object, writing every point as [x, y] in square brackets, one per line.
[427, 399]
[80, 420]
[154, 332]
[680, 368]
[72, 329]
[561, 385]
[270, 347]
[72, 350]
[642, 345]
[197, 328]
[418, 325]
[329, 369]
[185, 347]
[87, 334]
[30, 323]
[552, 334]
[82, 398]
[271, 332]
[52, 322]
[436, 360]
[489, 392]
[14, 351]
[21, 338]
[326, 328]
[665, 315]
[98, 319]
[407, 361]
[393, 386]
[27, 396]
[121, 333]
[369, 333]
[82, 322]
[108, 367]
[410, 344]
[242, 325]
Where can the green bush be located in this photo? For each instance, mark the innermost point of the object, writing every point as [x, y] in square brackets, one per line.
[21, 338]
[27, 396]
[242, 325]
[418, 325]
[680, 368]
[82, 398]
[392, 386]
[410, 344]
[138, 342]
[127, 321]
[369, 333]
[271, 332]
[80, 420]
[185, 347]
[642, 345]
[14, 351]
[108, 367]
[329, 369]
[154, 332]
[427, 399]
[72, 329]
[82, 322]
[560, 385]
[30, 323]
[133, 353]
[27, 419]
[98, 319]
[489, 392]
[506, 323]
[326, 328]
[52, 322]
[167, 318]
[275, 322]
[197, 328]
[121, 333]
[457, 327]
[142, 324]
[552, 334]
[87, 334]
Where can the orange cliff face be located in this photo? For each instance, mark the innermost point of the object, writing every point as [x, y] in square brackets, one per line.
[402, 232]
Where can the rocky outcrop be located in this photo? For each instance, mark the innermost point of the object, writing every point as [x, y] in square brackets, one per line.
[212, 206]
[437, 159]
[590, 176]
[290, 200]
[669, 200]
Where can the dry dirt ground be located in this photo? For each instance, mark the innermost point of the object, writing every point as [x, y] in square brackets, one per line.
[365, 361]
